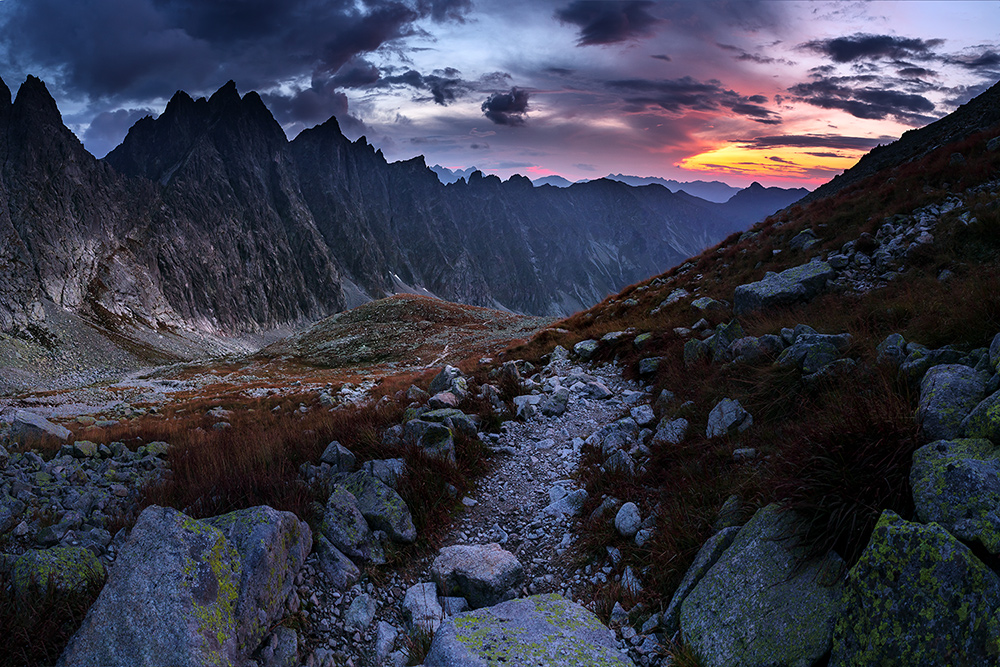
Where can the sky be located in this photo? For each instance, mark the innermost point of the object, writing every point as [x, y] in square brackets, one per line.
[784, 93]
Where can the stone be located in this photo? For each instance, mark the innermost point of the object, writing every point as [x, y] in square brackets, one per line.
[84, 449]
[708, 555]
[803, 240]
[385, 640]
[620, 434]
[725, 335]
[434, 439]
[694, 351]
[585, 349]
[443, 400]
[729, 513]
[762, 603]
[556, 403]
[663, 401]
[272, 546]
[539, 630]
[744, 454]
[279, 649]
[649, 365]
[642, 415]
[526, 406]
[569, 505]
[607, 510]
[4, 458]
[915, 596]
[450, 379]
[727, 418]
[454, 419]
[707, 305]
[339, 457]
[387, 471]
[948, 393]
[812, 352]
[158, 448]
[339, 569]
[345, 526]
[171, 599]
[453, 606]
[994, 353]
[628, 520]
[956, 484]
[631, 584]
[670, 431]
[65, 569]
[29, 426]
[382, 507]
[421, 607]
[11, 511]
[620, 462]
[415, 393]
[360, 612]
[984, 420]
[482, 574]
[800, 283]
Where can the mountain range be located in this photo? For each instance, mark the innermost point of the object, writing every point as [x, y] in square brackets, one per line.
[208, 219]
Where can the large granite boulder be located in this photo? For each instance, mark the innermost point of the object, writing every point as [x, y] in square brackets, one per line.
[421, 607]
[948, 393]
[763, 603]
[339, 569]
[345, 526]
[29, 426]
[984, 420]
[727, 418]
[272, 546]
[172, 598]
[339, 457]
[956, 484]
[917, 597]
[539, 630]
[435, 439]
[812, 352]
[708, 555]
[800, 283]
[382, 507]
[482, 574]
[450, 379]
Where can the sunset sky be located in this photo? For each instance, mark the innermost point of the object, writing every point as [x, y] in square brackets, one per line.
[785, 93]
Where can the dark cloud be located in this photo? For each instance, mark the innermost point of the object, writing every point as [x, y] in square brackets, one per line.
[559, 71]
[868, 102]
[988, 60]
[915, 72]
[823, 154]
[861, 46]
[675, 95]
[108, 128]
[743, 56]
[609, 21]
[356, 73]
[312, 106]
[507, 108]
[444, 85]
[781, 160]
[585, 167]
[445, 10]
[662, 56]
[815, 141]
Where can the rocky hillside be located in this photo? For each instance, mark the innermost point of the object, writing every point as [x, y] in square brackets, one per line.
[207, 219]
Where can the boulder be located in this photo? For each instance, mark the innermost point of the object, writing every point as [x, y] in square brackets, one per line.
[670, 431]
[454, 419]
[984, 420]
[29, 426]
[382, 507]
[279, 649]
[620, 462]
[421, 607]
[650, 365]
[66, 569]
[526, 406]
[948, 393]
[812, 352]
[956, 484]
[360, 613]
[344, 525]
[917, 596]
[694, 351]
[11, 511]
[539, 630]
[272, 546]
[994, 353]
[434, 439]
[727, 418]
[628, 521]
[725, 335]
[482, 574]
[891, 352]
[642, 415]
[800, 283]
[556, 403]
[570, 504]
[387, 471]
[339, 569]
[762, 603]
[708, 555]
[339, 457]
[450, 379]
[620, 434]
[585, 349]
[171, 599]
[443, 401]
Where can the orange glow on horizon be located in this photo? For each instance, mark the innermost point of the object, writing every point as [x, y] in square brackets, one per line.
[799, 165]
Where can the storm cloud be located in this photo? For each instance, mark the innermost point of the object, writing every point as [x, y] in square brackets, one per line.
[507, 108]
[686, 93]
[869, 102]
[609, 21]
[861, 46]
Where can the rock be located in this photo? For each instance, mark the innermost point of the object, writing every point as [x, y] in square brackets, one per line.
[663, 401]
[339, 457]
[708, 555]
[585, 349]
[526, 406]
[729, 513]
[340, 570]
[443, 400]
[387, 471]
[453, 606]
[744, 454]
[360, 613]
[984, 420]
[642, 415]
[279, 649]
[539, 630]
[598, 390]
[84, 449]
[555, 404]
[725, 335]
[706, 305]
[631, 584]
[803, 240]
[29, 426]
[649, 365]
[727, 418]
[670, 431]
[65, 569]
[450, 379]
[272, 546]
[915, 596]
[956, 484]
[812, 352]
[628, 520]
[948, 393]
[171, 599]
[454, 419]
[385, 639]
[421, 607]
[415, 393]
[569, 505]
[434, 439]
[11, 511]
[995, 353]
[4, 458]
[620, 462]
[620, 434]
[891, 352]
[760, 604]
[606, 510]
[993, 144]
[482, 574]
[345, 526]
[158, 448]
[382, 507]
[800, 283]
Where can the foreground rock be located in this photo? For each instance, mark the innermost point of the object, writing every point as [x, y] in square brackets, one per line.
[761, 603]
[800, 283]
[917, 596]
[29, 426]
[948, 393]
[540, 630]
[180, 593]
[482, 574]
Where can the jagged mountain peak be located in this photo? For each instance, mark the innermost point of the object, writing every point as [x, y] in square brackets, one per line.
[4, 95]
[225, 96]
[35, 102]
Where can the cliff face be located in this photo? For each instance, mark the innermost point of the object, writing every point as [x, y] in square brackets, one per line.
[208, 218]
